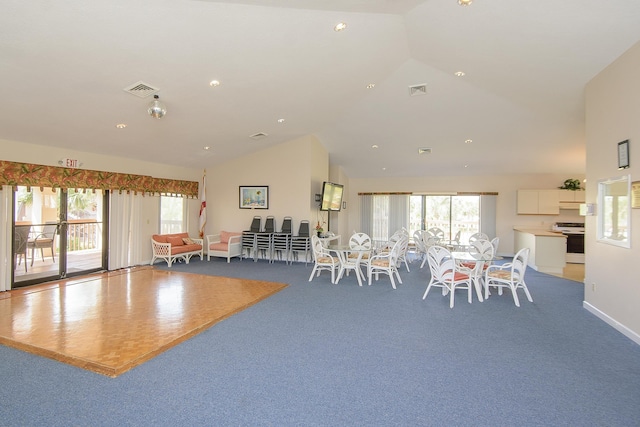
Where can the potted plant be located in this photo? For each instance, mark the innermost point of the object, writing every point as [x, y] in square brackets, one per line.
[571, 184]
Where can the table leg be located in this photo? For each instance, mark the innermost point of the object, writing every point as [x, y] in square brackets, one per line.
[477, 279]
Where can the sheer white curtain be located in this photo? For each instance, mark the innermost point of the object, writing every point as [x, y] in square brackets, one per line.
[383, 214]
[6, 223]
[124, 230]
[398, 212]
[488, 214]
[366, 214]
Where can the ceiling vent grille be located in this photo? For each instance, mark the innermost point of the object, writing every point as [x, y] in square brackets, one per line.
[424, 150]
[141, 89]
[417, 90]
[259, 135]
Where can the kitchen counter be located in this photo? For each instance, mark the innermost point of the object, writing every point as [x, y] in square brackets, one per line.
[548, 249]
[539, 232]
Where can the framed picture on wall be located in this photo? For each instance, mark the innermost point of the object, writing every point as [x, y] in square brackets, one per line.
[623, 154]
[635, 195]
[254, 197]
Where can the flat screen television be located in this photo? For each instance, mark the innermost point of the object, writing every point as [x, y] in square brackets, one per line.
[331, 196]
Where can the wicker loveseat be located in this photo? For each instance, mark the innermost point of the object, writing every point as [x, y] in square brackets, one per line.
[173, 247]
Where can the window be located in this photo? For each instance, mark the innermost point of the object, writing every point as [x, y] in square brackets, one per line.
[449, 213]
[381, 215]
[614, 216]
[172, 215]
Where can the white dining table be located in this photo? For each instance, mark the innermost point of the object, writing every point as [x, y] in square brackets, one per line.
[476, 273]
[347, 263]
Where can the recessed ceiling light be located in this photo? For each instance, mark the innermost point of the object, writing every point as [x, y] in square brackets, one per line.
[374, 146]
[466, 166]
[384, 169]
[121, 126]
[468, 141]
[424, 150]
[371, 85]
[280, 120]
[214, 83]
[340, 26]
[459, 74]
[465, 2]
[206, 148]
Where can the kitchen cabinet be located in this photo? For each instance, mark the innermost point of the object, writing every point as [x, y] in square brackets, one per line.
[538, 202]
[572, 196]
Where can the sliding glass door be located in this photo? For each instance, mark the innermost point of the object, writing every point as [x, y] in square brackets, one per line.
[447, 212]
[57, 234]
[382, 214]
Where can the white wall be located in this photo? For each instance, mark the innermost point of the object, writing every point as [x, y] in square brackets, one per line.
[294, 172]
[505, 185]
[612, 288]
[338, 221]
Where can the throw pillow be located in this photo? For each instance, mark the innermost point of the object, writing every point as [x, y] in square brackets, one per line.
[175, 240]
[187, 241]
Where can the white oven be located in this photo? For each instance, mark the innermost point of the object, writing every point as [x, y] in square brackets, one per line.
[575, 240]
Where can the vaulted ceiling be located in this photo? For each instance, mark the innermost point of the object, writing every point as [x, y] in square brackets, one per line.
[64, 67]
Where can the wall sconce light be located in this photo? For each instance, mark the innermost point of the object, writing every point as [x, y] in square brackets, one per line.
[157, 109]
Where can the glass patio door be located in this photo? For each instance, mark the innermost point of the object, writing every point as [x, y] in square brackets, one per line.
[57, 234]
[449, 213]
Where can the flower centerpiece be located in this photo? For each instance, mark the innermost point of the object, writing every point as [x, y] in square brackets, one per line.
[319, 228]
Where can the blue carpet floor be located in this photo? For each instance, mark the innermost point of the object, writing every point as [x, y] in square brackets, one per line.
[317, 354]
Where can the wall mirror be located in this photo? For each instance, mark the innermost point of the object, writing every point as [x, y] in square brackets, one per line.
[614, 211]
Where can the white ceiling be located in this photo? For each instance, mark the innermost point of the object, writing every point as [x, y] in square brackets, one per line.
[64, 65]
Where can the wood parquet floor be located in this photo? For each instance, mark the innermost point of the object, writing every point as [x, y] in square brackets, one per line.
[111, 322]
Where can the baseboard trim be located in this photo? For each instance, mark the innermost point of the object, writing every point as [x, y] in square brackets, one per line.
[612, 322]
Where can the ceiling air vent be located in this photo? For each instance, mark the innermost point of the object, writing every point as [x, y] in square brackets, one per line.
[259, 135]
[417, 90]
[424, 150]
[141, 89]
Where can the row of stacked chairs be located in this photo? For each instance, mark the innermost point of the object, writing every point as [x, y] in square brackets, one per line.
[267, 243]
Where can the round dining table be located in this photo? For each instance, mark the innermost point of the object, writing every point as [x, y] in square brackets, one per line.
[479, 260]
[347, 263]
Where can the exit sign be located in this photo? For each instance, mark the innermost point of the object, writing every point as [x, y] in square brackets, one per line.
[70, 163]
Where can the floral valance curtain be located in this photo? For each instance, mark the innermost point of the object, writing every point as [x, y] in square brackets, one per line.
[31, 175]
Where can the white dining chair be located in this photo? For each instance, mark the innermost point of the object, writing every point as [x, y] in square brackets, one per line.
[322, 260]
[351, 259]
[509, 276]
[429, 240]
[478, 236]
[446, 274]
[495, 242]
[484, 252]
[386, 263]
[362, 245]
[420, 250]
[436, 232]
